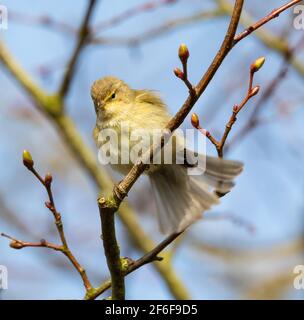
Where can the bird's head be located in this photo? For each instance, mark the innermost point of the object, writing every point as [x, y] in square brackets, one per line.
[111, 96]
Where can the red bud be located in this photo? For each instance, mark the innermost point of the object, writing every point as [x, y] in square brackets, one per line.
[179, 73]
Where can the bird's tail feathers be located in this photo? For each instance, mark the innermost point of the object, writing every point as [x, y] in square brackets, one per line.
[181, 198]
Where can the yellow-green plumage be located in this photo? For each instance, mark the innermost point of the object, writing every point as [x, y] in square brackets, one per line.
[180, 198]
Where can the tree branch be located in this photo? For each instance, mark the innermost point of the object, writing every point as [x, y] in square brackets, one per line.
[274, 14]
[107, 210]
[64, 248]
[158, 30]
[131, 12]
[224, 8]
[151, 256]
[252, 91]
[83, 35]
[269, 39]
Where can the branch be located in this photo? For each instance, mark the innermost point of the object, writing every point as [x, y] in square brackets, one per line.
[151, 256]
[252, 91]
[183, 54]
[224, 8]
[129, 13]
[42, 20]
[64, 248]
[83, 35]
[270, 40]
[254, 120]
[111, 248]
[20, 244]
[159, 30]
[274, 14]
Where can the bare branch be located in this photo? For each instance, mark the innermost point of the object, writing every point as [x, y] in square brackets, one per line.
[252, 91]
[64, 248]
[274, 14]
[111, 248]
[254, 119]
[183, 54]
[83, 35]
[269, 39]
[42, 20]
[159, 30]
[130, 13]
[134, 265]
[20, 244]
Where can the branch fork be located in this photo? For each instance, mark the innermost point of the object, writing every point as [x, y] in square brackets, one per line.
[50, 204]
[252, 91]
[184, 54]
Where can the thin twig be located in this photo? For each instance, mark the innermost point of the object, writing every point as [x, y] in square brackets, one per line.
[42, 20]
[272, 41]
[253, 120]
[64, 248]
[274, 14]
[183, 54]
[158, 30]
[131, 12]
[252, 91]
[83, 35]
[19, 244]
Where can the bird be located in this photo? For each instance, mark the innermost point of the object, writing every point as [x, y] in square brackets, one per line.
[181, 198]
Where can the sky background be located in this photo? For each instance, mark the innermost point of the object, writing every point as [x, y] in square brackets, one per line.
[268, 196]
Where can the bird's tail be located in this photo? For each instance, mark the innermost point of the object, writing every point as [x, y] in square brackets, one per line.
[181, 198]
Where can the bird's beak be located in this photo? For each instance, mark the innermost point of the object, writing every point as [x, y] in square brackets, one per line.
[99, 105]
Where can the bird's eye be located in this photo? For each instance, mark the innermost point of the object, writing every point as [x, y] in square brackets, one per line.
[113, 95]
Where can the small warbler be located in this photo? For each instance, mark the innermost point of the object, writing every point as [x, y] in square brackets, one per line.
[180, 198]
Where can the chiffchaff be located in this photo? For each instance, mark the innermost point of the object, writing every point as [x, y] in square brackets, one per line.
[180, 198]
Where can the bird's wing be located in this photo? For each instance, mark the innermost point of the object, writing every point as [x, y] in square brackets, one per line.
[147, 96]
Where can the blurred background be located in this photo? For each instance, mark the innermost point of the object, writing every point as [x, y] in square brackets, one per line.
[248, 246]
